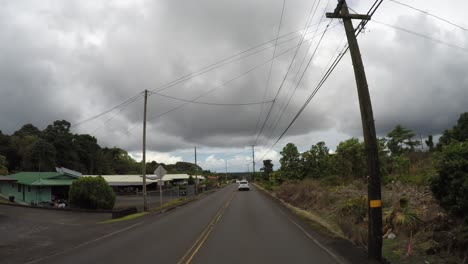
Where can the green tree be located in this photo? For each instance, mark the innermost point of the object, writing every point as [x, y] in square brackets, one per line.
[58, 134]
[87, 149]
[121, 162]
[430, 143]
[317, 162]
[401, 140]
[9, 152]
[23, 145]
[28, 130]
[3, 165]
[91, 193]
[267, 169]
[41, 157]
[191, 180]
[351, 159]
[450, 186]
[291, 163]
[458, 133]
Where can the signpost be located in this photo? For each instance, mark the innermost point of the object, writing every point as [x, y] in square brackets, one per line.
[160, 172]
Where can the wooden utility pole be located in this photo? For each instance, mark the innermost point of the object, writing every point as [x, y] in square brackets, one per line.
[145, 204]
[196, 171]
[368, 126]
[253, 162]
[226, 170]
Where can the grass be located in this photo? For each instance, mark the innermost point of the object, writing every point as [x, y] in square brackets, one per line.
[125, 218]
[171, 203]
[321, 225]
[318, 223]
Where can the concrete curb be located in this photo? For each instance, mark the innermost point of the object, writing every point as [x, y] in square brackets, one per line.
[58, 209]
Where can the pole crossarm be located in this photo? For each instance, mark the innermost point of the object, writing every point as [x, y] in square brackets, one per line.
[350, 16]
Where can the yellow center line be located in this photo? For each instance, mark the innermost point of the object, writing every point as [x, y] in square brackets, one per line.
[205, 234]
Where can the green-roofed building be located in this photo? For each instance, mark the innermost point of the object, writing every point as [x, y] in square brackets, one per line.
[39, 187]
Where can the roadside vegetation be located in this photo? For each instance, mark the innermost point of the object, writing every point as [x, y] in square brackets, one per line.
[91, 193]
[424, 191]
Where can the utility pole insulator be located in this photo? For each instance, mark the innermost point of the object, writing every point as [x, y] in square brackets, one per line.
[370, 139]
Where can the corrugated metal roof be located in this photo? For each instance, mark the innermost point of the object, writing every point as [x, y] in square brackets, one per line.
[7, 179]
[123, 180]
[54, 182]
[41, 178]
[28, 178]
[170, 177]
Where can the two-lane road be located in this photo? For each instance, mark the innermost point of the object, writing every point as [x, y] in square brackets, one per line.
[224, 227]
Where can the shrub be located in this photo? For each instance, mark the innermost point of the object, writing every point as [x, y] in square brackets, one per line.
[354, 209]
[91, 193]
[450, 186]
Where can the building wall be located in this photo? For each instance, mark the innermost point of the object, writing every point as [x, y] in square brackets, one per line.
[31, 193]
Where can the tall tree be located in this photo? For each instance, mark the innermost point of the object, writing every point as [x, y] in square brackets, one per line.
[459, 133]
[41, 157]
[267, 169]
[58, 134]
[87, 149]
[351, 159]
[401, 140]
[10, 153]
[3, 165]
[121, 162]
[291, 163]
[27, 130]
[430, 143]
[317, 161]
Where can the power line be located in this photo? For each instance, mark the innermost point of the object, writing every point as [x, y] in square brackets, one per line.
[225, 61]
[423, 36]
[276, 122]
[215, 88]
[210, 103]
[323, 80]
[287, 72]
[192, 75]
[112, 117]
[430, 14]
[123, 104]
[271, 67]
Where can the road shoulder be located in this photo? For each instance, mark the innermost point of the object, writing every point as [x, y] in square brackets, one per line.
[342, 248]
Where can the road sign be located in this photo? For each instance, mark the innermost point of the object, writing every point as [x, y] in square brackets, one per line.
[160, 172]
[160, 183]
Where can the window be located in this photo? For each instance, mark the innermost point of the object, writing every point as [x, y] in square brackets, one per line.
[29, 188]
[19, 187]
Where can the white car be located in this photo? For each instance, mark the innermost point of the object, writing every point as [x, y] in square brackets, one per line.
[243, 186]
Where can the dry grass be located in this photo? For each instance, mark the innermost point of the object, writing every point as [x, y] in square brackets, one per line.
[343, 210]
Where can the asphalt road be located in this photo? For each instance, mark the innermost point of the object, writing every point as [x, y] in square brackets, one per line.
[225, 227]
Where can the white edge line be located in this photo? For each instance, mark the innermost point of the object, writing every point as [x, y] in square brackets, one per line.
[333, 255]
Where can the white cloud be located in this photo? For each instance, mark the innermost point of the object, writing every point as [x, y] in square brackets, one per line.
[159, 157]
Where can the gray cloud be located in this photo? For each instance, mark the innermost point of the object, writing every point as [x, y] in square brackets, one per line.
[71, 60]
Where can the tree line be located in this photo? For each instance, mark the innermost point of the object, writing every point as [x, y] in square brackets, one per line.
[443, 166]
[32, 149]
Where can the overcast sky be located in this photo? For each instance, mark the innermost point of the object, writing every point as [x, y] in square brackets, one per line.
[75, 59]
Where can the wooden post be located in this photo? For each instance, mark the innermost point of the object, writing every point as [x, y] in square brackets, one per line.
[253, 162]
[145, 204]
[370, 138]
